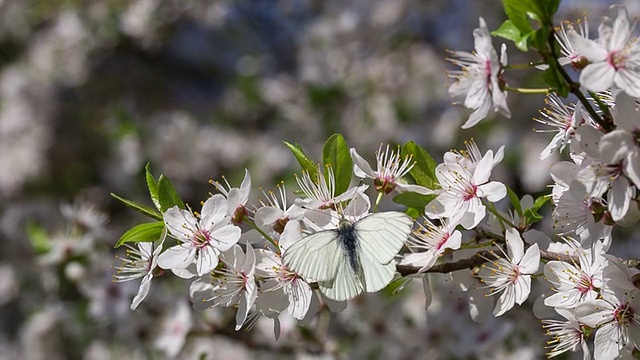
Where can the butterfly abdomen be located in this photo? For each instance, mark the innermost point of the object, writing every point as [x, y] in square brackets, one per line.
[349, 241]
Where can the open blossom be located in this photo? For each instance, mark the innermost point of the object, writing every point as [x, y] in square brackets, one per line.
[621, 146]
[576, 283]
[275, 214]
[511, 275]
[566, 335]
[569, 54]
[462, 189]
[140, 263]
[321, 192]
[564, 118]
[200, 240]
[232, 284]
[614, 59]
[270, 267]
[616, 317]
[478, 83]
[429, 242]
[391, 167]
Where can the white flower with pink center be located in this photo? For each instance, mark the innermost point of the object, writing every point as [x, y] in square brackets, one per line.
[576, 283]
[201, 239]
[614, 59]
[429, 242]
[462, 189]
[231, 284]
[478, 82]
[270, 267]
[391, 167]
[511, 275]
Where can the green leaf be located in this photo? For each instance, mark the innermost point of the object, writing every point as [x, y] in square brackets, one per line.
[515, 201]
[413, 200]
[531, 215]
[540, 202]
[424, 170]
[517, 11]
[145, 210]
[306, 164]
[508, 31]
[147, 232]
[153, 186]
[335, 153]
[38, 238]
[167, 195]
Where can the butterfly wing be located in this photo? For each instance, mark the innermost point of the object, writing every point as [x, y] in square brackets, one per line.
[346, 284]
[380, 238]
[315, 256]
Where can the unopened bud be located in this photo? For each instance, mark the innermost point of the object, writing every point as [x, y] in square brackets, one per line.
[279, 225]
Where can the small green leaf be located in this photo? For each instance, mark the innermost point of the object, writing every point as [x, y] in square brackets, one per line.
[145, 210]
[147, 232]
[508, 31]
[531, 215]
[38, 238]
[424, 170]
[153, 186]
[515, 201]
[167, 195]
[335, 153]
[540, 202]
[306, 164]
[413, 200]
[516, 11]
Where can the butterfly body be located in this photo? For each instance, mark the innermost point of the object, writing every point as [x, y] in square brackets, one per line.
[348, 239]
[352, 258]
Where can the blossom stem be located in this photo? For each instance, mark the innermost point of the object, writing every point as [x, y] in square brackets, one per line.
[378, 199]
[264, 234]
[528, 90]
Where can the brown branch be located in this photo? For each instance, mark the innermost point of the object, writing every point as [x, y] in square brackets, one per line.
[477, 260]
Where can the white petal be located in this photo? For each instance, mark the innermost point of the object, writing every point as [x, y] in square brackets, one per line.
[597, 76]
[493, 191]
[177, 257]
[145, 285]
[615, 146]
[213, 211]
[530, 263]
[632, 167]
[515, 245]
[361, 167]
[181, 223]
[594, 312]
[225, 237]
[300, 296]
[522, 288]
[207, 260]
[619, 198]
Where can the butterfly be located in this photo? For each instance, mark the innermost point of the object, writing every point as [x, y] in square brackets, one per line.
[353, 258]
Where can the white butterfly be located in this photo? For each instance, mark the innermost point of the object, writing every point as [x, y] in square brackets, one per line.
[354, 257]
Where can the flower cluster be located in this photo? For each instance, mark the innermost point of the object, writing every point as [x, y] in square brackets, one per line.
[330, 243]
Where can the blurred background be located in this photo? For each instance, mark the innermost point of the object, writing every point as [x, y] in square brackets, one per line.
[91, 91]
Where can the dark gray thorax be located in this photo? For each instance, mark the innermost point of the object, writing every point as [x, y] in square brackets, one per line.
[349, 241]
